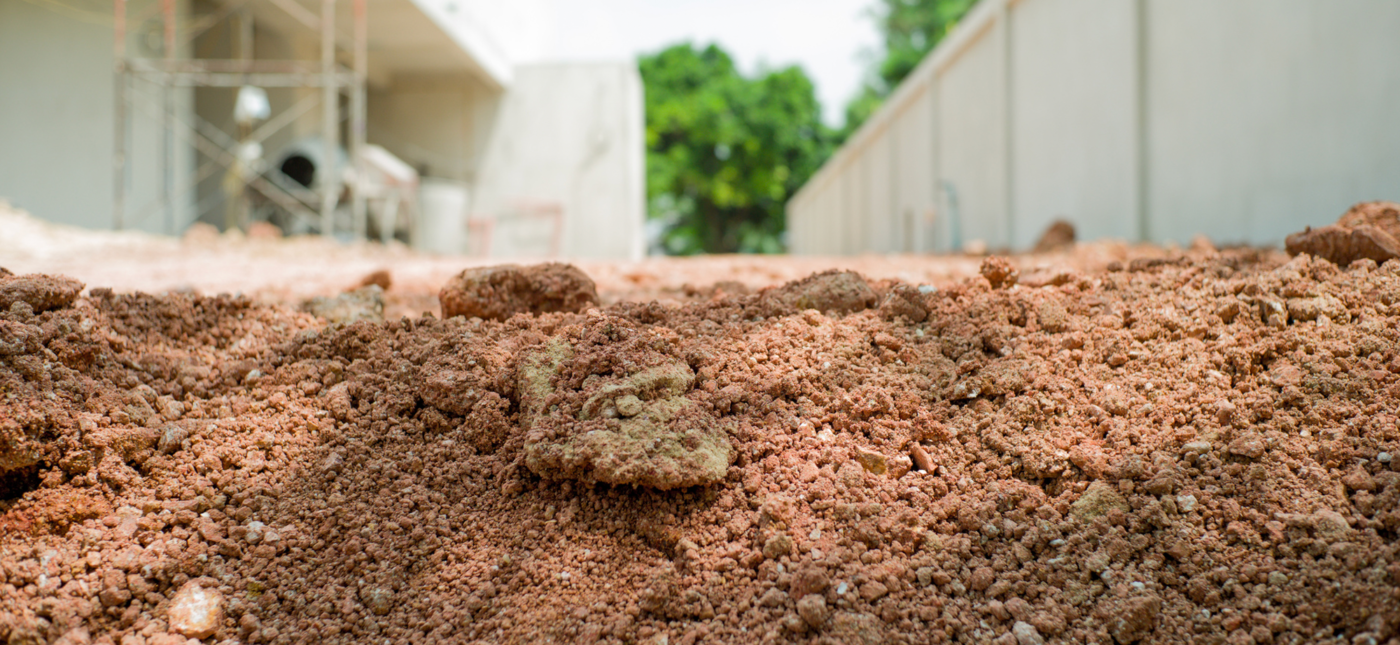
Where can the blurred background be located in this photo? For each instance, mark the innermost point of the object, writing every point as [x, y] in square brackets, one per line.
[616, 129]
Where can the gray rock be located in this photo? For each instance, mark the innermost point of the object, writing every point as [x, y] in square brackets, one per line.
[1027, 634]
[365, 303]
[172, 439]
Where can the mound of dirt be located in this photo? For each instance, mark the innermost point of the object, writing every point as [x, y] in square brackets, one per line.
[1191, 449]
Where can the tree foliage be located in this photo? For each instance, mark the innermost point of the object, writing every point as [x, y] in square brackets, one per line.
[724, 151]
[911, 29]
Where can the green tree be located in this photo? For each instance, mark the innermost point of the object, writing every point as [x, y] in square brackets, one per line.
[911, 29]
[725, 152]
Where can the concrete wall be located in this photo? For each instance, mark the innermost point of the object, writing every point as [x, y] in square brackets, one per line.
[972, 124]
[1073, 118]
[914, 191]
[1136, 119]
[1260, 127]
[437, 124]
[571, 134]
[57, 120]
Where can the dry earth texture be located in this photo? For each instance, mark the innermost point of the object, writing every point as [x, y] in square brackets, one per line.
[1197, 448]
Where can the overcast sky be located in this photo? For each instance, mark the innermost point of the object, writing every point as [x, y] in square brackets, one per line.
[825, 37]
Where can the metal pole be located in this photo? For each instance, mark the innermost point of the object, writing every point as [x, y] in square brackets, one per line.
[167, 10]
[330, 117]
[119, 115]
[357, 119]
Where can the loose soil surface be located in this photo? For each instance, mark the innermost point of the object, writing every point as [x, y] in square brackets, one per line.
[1161, 446]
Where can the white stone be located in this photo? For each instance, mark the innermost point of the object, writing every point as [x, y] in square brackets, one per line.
[196, 612]
[255, 532]
[1027, 634]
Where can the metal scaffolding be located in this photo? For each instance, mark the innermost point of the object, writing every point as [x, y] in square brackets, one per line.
[170, 72]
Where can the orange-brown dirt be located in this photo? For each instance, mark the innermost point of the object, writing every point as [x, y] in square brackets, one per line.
[1178, 447]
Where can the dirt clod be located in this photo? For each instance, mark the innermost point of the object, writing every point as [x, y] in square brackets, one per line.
[610, 402]
[380, 278]
[499, 292]
[39, 293]
[1098, 500]
[1000, 272]
[364, 303]
[831, 291]
[1058, 236]
[1369, 230]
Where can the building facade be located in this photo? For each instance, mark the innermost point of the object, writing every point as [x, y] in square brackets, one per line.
[138, 131]
[1142, 120]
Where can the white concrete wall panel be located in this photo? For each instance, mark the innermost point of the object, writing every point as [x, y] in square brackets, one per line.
[57, 121]
[568, 134]
[912, 138]
[1269, 115]
[879, 214]
[852, 225]
[831, 231]
[1073, 124]
[438, 125]
[972, 122]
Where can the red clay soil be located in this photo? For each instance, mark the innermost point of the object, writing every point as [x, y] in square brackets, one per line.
[1190, 449]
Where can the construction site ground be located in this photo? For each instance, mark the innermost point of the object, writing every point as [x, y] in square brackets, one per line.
[1110, 443]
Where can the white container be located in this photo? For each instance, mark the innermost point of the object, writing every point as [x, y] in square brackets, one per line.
[444, 207]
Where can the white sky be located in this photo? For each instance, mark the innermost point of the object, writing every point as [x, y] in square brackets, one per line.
[825, 37]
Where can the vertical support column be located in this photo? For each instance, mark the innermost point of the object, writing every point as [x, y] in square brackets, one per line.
[1141, 177]
[1008, 118]
[236, 209]
[330, 118]
[245, 35]
[119, 113]
[167, 93]
[903, 214]
[357, 123]
[936, 222]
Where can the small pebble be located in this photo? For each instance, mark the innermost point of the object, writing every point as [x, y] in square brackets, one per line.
[196, 612]
[629, 406]
[812, 608]
[1198, 447]
[255, 532]
[172, 439]
[1383, 457]
[1026, 634]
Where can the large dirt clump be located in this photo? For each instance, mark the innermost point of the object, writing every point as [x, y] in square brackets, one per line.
[1369, 231]
[499, 292]
[607, 401]
[1196, 448]
[38, 293]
